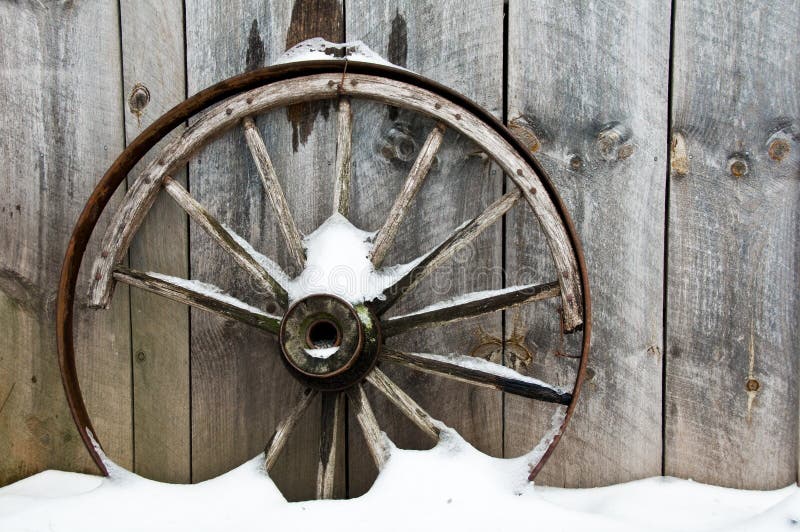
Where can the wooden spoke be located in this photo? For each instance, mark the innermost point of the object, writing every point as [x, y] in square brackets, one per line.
[469, 306]
[332, 423]
[344, 156]
[446, 249]
[294, 240]
[387, 233]
[285, 428]
[404, 403]
[199, 295]
[376, 440]
[480, 372]
[238, 248]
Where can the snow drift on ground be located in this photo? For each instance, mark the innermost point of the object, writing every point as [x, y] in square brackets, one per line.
[450, 487]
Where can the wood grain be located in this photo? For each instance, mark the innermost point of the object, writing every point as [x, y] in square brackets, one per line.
[590, 80]
[344, 157]
[481, 303]
[239, 384]
[454, 368]
[416, 176]
[458, 44]
[734, 214]
[62, 127]
[205, 296]
[379, 447]
[153, 61]
[293, 238]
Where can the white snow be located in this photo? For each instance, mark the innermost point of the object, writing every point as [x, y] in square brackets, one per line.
[322, 352]
[319, 49]
[481, 364]
[206, 289]
[337, 262]
[268, 264]
[450, 487]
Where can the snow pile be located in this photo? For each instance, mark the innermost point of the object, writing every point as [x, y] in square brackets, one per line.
[338, 263]
[450, 487]
[319, 49]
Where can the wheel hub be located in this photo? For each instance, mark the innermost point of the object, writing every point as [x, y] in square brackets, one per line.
[327, 343]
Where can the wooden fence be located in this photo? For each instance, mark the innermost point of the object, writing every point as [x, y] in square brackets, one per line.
[690, 224]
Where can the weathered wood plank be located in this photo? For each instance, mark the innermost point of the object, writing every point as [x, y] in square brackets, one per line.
[734, 214]
[284, 429]
[62, 127]
[331, 439]
[600, 133]
[458, 44]
[239, 384]
[154, 80]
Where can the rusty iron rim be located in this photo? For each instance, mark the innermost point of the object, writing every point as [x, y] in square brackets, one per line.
[160, 128]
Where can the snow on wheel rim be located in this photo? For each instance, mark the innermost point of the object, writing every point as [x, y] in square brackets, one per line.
[234, 102]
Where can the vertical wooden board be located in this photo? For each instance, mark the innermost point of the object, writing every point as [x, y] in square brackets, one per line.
[458, 44]
[153, 82]
[575, 71]
[240, 388]
[62, 124]
[734, 215]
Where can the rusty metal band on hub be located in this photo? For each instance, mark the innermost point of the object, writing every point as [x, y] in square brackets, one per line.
[119, 170]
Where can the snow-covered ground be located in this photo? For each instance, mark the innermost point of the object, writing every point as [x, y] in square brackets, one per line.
[450, 487]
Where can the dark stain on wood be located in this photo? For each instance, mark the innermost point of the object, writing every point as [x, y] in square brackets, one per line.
[397, 52]
[254, 57]
[312, 18]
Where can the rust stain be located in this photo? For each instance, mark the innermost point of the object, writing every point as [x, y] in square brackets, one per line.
[490, 347]
[521, 129]
[738, 168]
[311, 18]
[254, 57]
[779, 149]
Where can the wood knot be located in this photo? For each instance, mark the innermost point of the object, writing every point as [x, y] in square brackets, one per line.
[138, 99]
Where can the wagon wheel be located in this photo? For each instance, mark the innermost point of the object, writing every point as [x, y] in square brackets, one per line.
[330, 344]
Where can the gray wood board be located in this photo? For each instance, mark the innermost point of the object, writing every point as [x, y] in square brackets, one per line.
[458, 44]
[574, 70]
[733, 308]
[240, 389]
[154, 80]
[62, 127]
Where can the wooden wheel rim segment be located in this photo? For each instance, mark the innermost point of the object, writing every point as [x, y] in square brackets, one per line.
[341, 78]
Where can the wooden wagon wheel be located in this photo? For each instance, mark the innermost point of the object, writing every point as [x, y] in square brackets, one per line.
[329, 343]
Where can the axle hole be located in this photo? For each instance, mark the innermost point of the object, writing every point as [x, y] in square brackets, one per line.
[323, 334]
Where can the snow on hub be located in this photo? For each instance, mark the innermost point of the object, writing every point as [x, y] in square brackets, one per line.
[327, 343]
